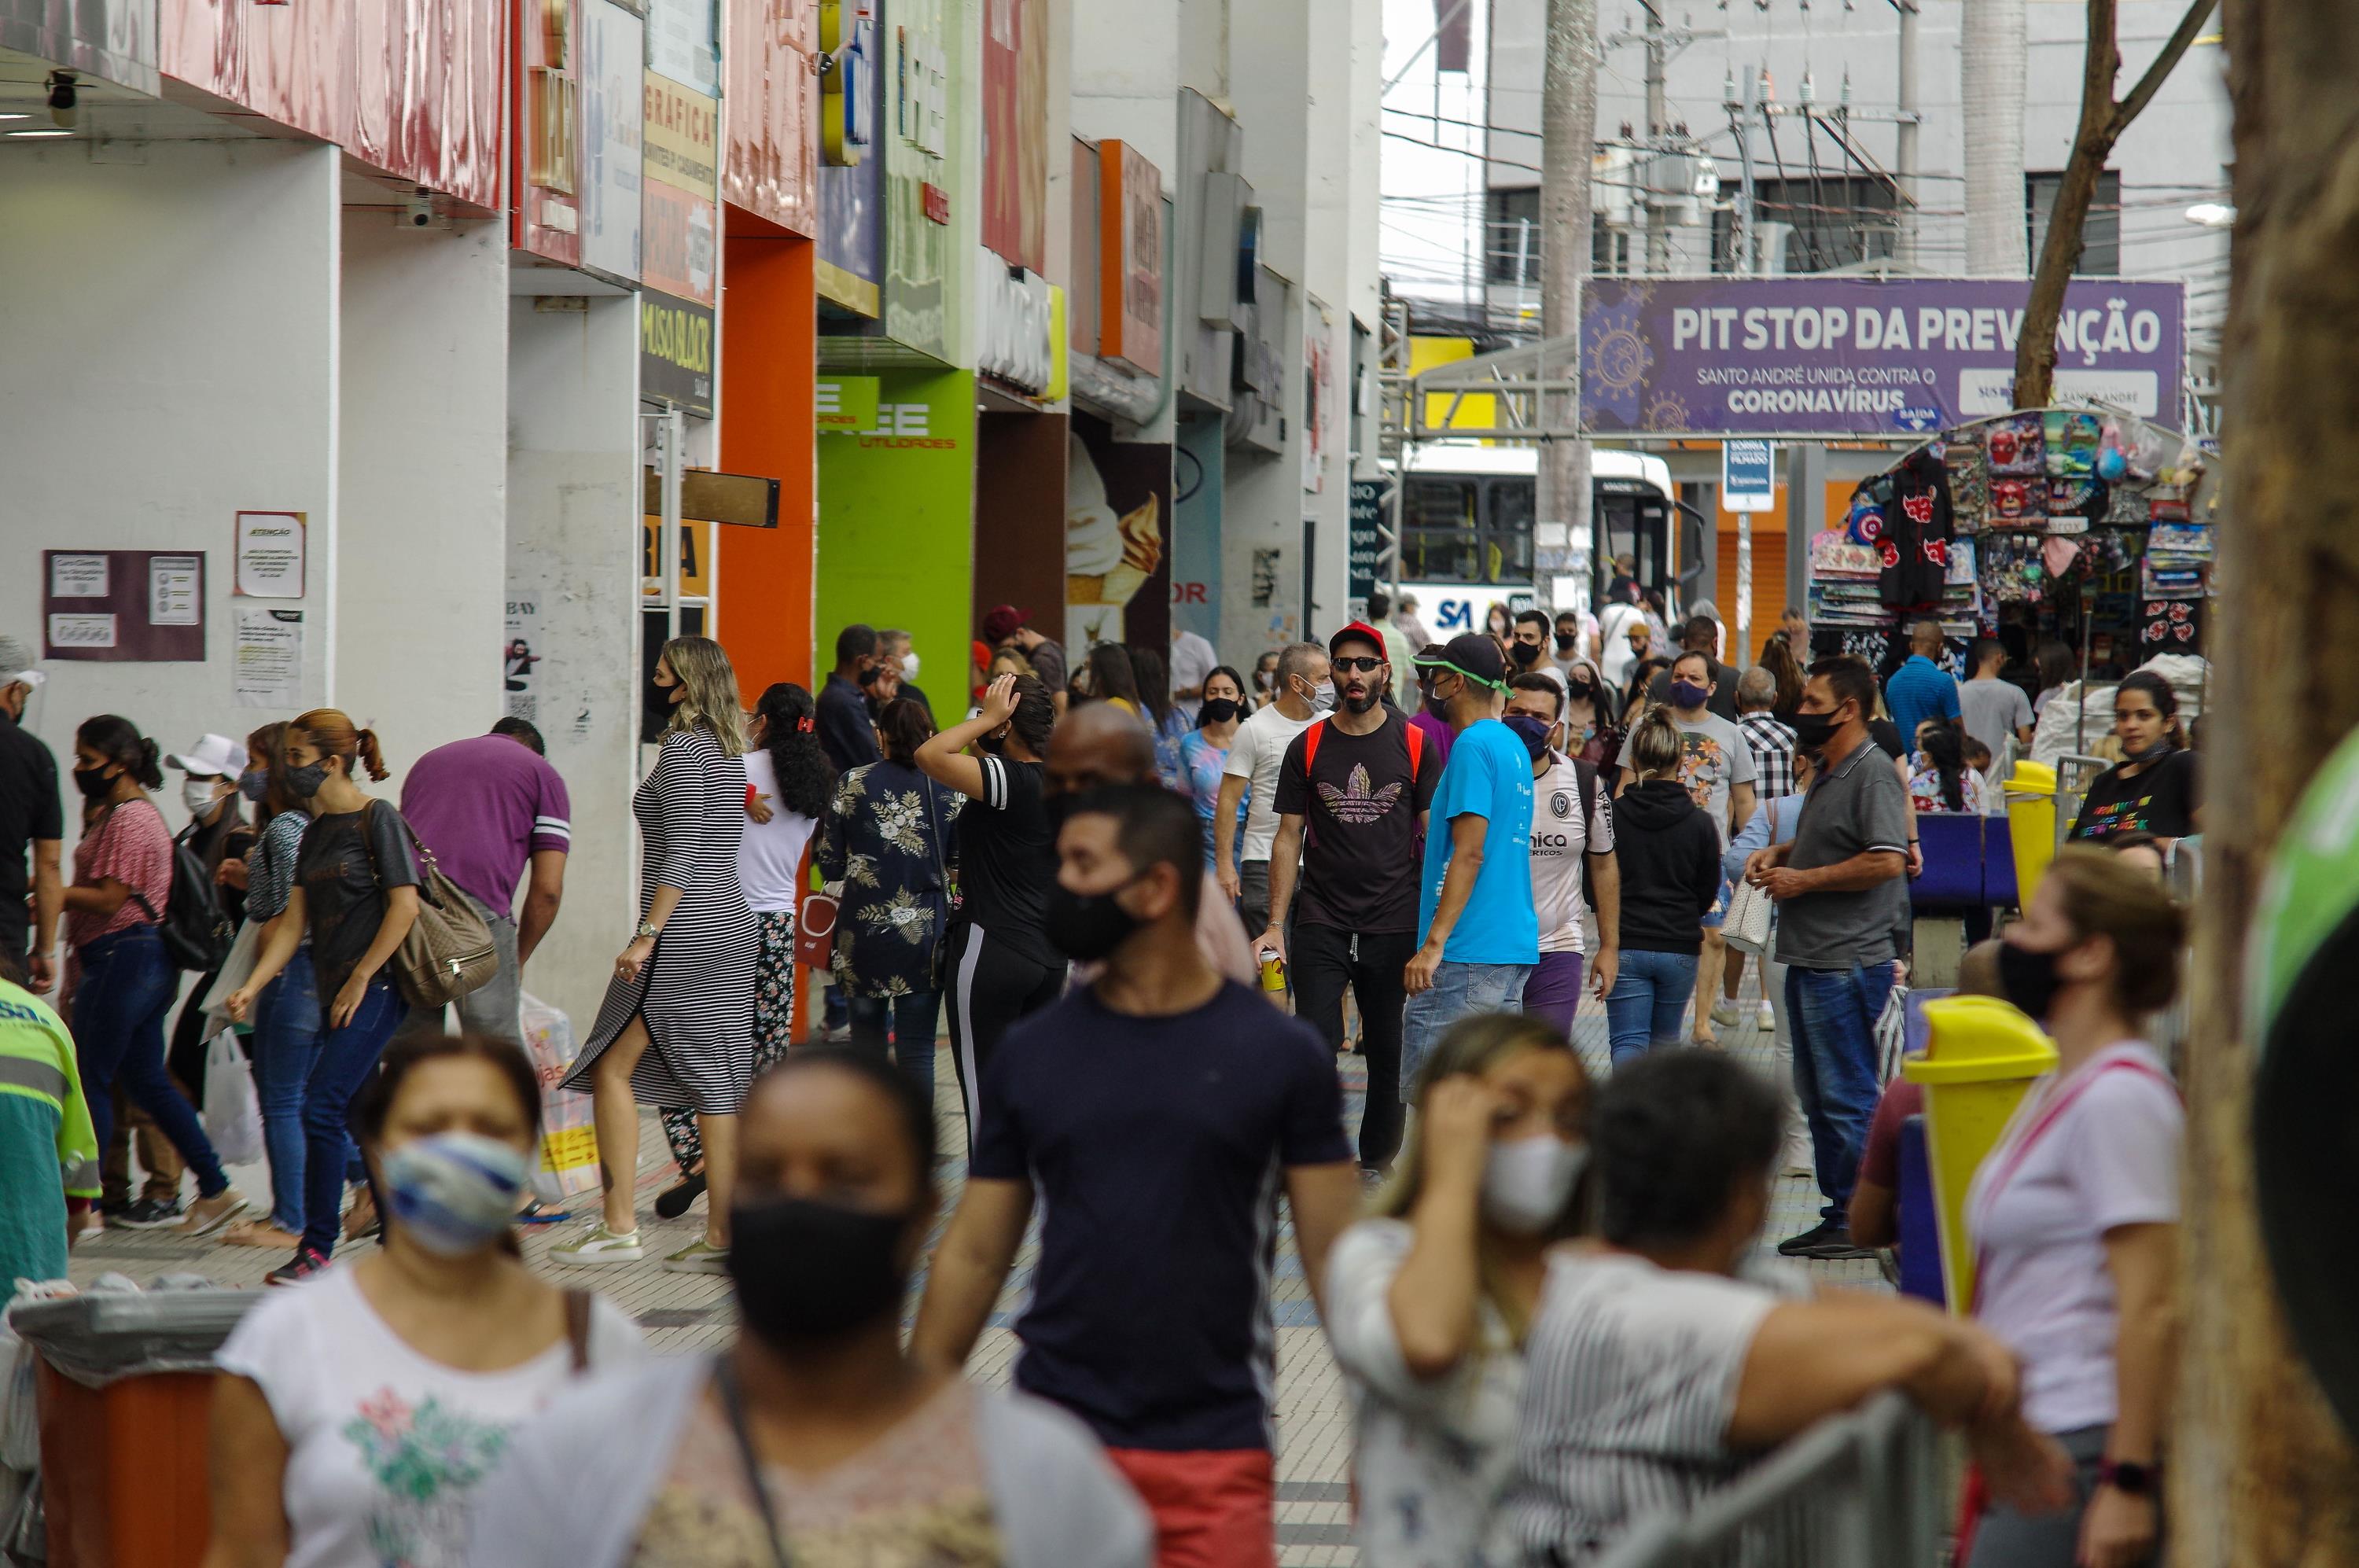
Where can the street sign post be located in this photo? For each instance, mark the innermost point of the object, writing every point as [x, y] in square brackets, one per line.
[1748, 475]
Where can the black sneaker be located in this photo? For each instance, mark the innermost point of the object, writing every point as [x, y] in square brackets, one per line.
[1838, 1247]
[306, 1262]
[674, 1200]
[1817, 1235]
[148, 1214]
[112, 1209]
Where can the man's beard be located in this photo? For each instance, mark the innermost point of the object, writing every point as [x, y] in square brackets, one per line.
[1363, 703]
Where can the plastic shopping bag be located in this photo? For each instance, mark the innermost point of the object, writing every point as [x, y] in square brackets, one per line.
[569, 1143]
[232, 1114]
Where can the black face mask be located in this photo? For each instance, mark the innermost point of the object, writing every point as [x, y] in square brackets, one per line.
[94, 783]
[304, 782]
[1525, 653]
[1564, 641]
[1218, 711]
[1086, 926]
[2028, 979]
[1812, 731]
[809, 1271]
[1581, 690]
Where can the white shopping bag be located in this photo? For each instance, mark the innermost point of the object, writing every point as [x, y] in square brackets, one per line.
[568, 1142]
[232, 1114]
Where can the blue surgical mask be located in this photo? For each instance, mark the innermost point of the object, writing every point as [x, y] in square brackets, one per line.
[1687, 694]
[454, 1193]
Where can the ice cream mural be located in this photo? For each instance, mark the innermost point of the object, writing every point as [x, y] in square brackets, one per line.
[1116, 509]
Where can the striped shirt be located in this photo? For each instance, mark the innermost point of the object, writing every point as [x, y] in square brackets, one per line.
[1631, 1375]
[270, 871]
[1772, 745]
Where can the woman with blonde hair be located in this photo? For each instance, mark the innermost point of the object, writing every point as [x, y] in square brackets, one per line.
[1668, 851]
[354, 898]
[1428, 1302]
[677, 1027]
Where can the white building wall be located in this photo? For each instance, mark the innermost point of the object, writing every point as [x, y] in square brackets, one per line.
[421, 567]
[170, 323]
[572, 579]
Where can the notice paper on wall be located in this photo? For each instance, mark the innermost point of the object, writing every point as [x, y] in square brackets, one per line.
[77, 576]
[269, 555]
[175, 585]
[80, 631]
[268, 658]
[135, 606]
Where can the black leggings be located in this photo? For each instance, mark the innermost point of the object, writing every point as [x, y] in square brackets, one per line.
[990, 987]
[1326, 960]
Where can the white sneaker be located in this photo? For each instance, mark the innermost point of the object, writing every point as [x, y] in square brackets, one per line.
[1723, 1013]
[1766, 1017]
[599, 1245]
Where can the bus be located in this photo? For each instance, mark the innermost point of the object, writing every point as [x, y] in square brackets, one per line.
[1467, 510]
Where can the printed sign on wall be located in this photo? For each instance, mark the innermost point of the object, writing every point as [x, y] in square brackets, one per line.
[123, 606]
[680, 245]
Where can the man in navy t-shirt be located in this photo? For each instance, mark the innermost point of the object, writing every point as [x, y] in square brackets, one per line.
[1478, 933]
[1157, 1110]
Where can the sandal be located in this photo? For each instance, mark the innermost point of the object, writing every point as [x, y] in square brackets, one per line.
[676, 1201]
[260, 1233]
[360, 1219]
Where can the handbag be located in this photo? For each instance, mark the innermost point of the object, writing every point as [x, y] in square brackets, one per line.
[448, 952]
[1747, 925]
[232, 1114]
[815, 931]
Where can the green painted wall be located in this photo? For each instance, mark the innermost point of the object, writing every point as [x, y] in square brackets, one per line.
[896, 527]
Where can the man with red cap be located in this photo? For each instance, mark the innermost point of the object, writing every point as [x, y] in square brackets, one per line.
[1351, 800]
[1008, 626]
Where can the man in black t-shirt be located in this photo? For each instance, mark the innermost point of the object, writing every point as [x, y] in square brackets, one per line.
[1154, 1111]
[30, 820]
[1350, 801]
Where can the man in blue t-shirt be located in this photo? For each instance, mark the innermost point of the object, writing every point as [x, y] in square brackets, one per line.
[1157, 1111]
[1921, 689]
[1478, 934]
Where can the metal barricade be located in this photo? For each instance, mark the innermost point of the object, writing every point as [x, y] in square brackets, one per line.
[2075, 771]
[1862, 1490]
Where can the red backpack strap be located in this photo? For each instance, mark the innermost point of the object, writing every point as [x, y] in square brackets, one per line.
[1311, 747]
[1416, 748]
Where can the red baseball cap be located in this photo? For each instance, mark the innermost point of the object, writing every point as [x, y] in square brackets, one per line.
[1001, 623]
[1358, 631]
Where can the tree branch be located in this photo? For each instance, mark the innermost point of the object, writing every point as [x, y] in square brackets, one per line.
[2181, 38]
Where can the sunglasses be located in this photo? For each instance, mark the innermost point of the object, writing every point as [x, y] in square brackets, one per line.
[1348, 663]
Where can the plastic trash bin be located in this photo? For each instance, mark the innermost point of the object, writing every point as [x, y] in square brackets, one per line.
[2031, 822]
[125, 1385]
[1981, 1055]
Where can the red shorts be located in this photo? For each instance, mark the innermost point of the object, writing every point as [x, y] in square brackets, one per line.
[1213, 1508]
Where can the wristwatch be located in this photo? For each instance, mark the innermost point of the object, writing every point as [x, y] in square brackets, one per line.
[2129, 1477]
[649, 930]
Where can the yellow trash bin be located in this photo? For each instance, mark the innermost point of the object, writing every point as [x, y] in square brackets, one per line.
[2031, 826]
[1981, 1054]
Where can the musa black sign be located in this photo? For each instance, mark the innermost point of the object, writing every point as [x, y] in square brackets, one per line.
[1368, 536]
[676, 352]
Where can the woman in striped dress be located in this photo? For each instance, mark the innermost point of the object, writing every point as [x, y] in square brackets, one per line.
[677, 1027]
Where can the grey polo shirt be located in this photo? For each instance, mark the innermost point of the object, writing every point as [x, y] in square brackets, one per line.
[1854, 806]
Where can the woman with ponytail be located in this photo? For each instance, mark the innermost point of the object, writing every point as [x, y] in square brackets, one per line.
[355, 897]
[788, 781]
[123, 879]
[677, 1026]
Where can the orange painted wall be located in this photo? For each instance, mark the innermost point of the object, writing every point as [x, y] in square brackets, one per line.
[769, 350]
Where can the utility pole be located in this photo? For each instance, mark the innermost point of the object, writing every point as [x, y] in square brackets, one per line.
[1991, 49]
[1568, 145]
[1659, 235]
[1904, 149]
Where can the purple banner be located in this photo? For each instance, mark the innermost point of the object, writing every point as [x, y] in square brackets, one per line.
[1845, 356]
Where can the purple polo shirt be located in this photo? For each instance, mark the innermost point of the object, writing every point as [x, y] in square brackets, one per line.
[482, 805]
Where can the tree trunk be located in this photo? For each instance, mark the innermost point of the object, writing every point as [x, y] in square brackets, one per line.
[2035, 344]
[2260, 1474]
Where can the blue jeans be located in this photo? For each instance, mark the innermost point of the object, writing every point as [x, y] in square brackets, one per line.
[1831, 1015]
[1649, 996]
[913, 1018]
[127, 986]
[346, 1058]
[287, 1039]
[1459, 990]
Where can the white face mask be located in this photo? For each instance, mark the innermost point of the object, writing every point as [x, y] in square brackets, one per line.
[909, 667]
[1525, 1181]
[199, 794]
[1322, 697]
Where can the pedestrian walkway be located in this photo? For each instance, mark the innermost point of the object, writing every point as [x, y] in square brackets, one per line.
[682, 1312]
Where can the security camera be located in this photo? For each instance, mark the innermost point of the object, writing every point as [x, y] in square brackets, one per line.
[63, 109]
[417, 211]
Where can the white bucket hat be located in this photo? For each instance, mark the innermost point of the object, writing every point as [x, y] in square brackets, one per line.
[216, 755]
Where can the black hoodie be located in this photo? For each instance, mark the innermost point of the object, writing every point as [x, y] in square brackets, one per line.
[1670, 855]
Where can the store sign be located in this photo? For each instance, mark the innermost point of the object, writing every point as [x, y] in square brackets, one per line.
[847, 121]
[850, 261]
[769, 165]
[614, 103]
[676, 352]
[115, 41]
[681, 238]
[925, 272]
[1368, 539]
[1130, 257]
[1748, 477]
[695, 558]
[546, 219]
[847, 403]
[684, 43]
[1018, 339]
[1838, 356]
[925, 91]
[1318, 398]
[1015, 131]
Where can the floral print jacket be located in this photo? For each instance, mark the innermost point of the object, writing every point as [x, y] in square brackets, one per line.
[887, 837]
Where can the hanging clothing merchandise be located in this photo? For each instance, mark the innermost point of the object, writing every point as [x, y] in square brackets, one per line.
[1917, 532]
[2170, 625]
[1970, 484]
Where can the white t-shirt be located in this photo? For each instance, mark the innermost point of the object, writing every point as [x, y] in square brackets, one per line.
[2038, 1211]
[1614, 639]
[1559, 839]
[1253, 756]
[1192, 658]
[384, 1446]
[1631, 1374]
[1432, 1457]
[773, 851]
